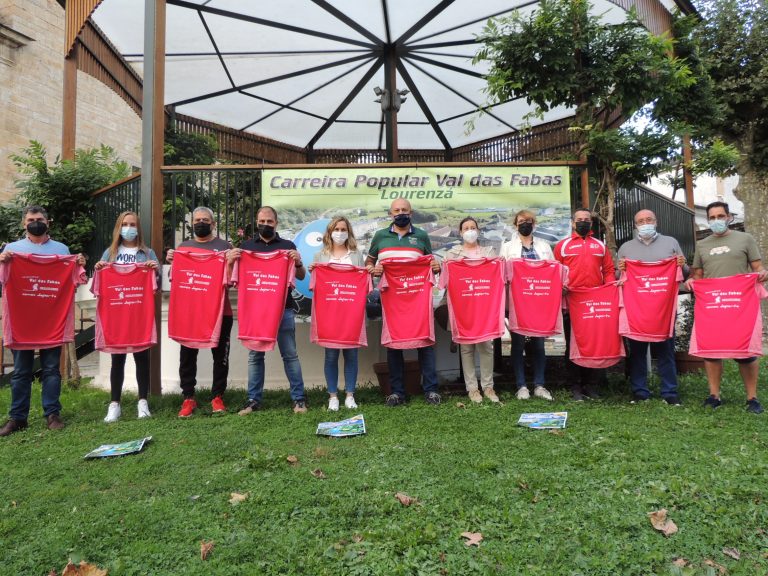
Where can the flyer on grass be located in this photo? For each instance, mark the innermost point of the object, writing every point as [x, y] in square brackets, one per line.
[107, 450]
[350, 427]
[543, 420]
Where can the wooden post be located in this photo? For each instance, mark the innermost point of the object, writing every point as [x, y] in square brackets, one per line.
[585, 187]
[69, 116]
[152, 137]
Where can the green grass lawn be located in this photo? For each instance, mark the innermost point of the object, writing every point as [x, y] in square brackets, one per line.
[545, 503]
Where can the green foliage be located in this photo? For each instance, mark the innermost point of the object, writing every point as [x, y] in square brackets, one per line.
[64, 189]
[546, 504]
[189, 149]
[562, 54]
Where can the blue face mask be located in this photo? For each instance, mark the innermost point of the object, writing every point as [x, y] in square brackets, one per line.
[718, 226]
[646, 230]
[129, 233]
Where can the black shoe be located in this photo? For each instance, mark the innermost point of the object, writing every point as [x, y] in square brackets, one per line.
[638, 398]
[754, 406]
[432, 398]
[250, 406]
[713, 402]
[394, 400]
[13, 426]
[673, 400]
[577, 394]
[54, 422]
[591, 393]
[299, 406]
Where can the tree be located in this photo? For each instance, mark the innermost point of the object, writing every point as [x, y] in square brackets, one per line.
[65, 189]
[732, 38]
[562, 54]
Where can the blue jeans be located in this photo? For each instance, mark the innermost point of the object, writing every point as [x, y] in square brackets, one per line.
[21, 382]
[397, 366]
[332, 369]
[665, 364]
[286, 342]
[539, 360]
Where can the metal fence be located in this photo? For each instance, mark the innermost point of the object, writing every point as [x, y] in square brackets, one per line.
[674, 219]
[108, 203]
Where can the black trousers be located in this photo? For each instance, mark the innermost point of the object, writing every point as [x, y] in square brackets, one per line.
[117, 374]
[188, 363]
[579, 376]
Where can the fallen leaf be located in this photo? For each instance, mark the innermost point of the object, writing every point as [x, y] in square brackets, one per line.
[680, 562]
[442, 557]
[460, 405]
[236, 497]
[317, 473]
[292, 460]
[320, 452]
[53, 572]
[722, 570]
[13, 503]
[472, 538]
[523, 485]
[732, 552]
[206, 547]
[83, 569]
[661, 523]
[357, 538]
[404, 499]
[557, 432]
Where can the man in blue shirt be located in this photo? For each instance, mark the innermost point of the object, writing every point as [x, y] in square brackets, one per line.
[37, 241]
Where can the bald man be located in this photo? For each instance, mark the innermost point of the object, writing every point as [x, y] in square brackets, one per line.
[403, 240]
[650, 246]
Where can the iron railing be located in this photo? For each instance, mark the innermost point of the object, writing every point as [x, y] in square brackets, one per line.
[673, 218]
[108, 203]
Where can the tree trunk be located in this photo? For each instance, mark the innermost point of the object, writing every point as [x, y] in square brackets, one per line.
[752, 190]
[605, 204]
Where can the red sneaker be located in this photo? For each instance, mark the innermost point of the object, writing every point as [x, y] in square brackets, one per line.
[187, 407]
[217, 405]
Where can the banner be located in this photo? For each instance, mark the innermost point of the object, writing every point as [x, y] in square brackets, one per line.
[441, 196]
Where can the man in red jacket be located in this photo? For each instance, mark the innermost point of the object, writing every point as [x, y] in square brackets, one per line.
[589, 265]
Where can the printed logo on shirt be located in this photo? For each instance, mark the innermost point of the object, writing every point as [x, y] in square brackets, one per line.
[596, 309]
[724, 299]
[126, 295]
[719, 250]
[341, 292]
[125, 258]
[41, 287]
[195, 281]
[475, 287]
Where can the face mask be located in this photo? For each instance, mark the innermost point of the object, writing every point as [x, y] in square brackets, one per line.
[718, 226]
[339, 237]
[266, 231]
[129, 233]
[583, 228]
[470, 236]
[646, 230]
[202, 229]
[37, 228]
[525, 229]
[403, 220]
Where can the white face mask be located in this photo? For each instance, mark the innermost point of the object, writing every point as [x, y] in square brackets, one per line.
[339, 237]
[470, 236]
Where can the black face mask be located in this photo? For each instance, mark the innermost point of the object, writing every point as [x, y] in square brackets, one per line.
[37, 228]
[202, 229]
[266, 231]
[583, 228]
[403, 220]
[525, 229]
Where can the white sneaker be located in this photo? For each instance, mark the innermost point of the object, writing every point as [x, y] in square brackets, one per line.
[333, 404]
[349, 402]
[541, 392]
[113, 412]
[144, 409]
[522, 393]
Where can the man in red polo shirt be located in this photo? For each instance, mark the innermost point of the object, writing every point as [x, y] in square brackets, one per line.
[589, 265]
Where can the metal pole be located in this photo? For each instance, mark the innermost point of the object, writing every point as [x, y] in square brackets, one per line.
[152, 128]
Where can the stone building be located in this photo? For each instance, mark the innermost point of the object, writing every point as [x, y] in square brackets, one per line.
[31, 94]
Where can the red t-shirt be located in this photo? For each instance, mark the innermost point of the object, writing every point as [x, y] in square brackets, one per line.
[125, 312]
[475, 292]
[263, 280]
[406, 303]
[536, 296]
[338, 305]
[39, 299]
[649, 299]
[198, 290]
[726, 317]
[595, 340]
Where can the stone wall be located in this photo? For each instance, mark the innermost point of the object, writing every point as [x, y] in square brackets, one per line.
[31, 94]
